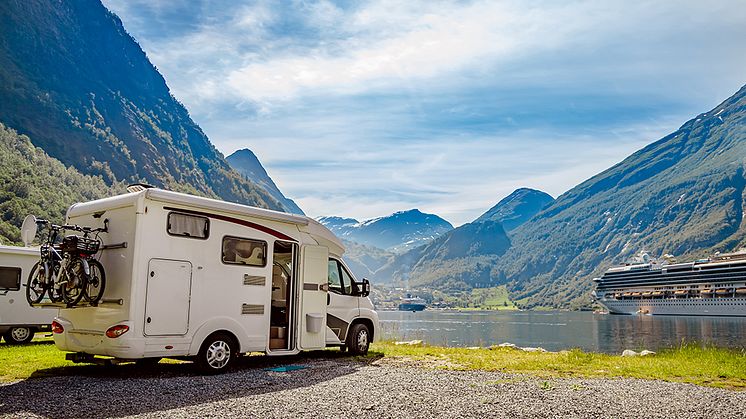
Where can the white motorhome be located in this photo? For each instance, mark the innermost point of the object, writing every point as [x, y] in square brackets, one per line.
[194, 277]
[18, 320]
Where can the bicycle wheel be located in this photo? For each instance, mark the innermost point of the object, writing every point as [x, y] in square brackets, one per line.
[36, 284]
[96, 282]
[55, 293]
[73, 281]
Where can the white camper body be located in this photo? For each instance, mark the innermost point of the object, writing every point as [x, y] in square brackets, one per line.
[18, 320]
[182, 269]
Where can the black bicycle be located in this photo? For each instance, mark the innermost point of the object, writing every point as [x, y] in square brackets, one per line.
[68, 270]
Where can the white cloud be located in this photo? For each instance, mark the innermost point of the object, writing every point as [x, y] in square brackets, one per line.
[556, 91]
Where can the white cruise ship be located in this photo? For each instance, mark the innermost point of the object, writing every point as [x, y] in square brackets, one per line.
[707, 287]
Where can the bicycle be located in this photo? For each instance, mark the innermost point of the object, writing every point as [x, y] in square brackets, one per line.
[68, 271]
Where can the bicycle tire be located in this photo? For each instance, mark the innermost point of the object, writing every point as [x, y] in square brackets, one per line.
[54, 294]
[97, 279]
[34, 286]
[75, 282]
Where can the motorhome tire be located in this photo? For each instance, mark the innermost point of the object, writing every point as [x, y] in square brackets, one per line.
[358, 339]
[216, 354]
[19, 335]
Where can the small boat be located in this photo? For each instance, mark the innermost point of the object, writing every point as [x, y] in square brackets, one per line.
[724, 291]
[741, 291]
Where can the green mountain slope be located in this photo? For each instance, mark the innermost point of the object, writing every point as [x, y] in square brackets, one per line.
[457, 260]
[517, 208]
[682, 195]
[31, 182]
[75, 82]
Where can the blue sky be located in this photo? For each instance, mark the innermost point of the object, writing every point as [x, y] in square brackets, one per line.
[361, 109]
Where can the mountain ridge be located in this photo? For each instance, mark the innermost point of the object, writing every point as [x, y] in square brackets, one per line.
[247, 163]
[81, 88]
[396, 232]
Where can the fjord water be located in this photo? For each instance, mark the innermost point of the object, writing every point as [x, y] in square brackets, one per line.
[558, 330]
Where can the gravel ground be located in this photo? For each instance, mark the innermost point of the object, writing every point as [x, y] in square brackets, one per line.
[341, 387]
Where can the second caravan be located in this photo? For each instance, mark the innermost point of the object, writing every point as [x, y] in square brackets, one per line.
[206, 279]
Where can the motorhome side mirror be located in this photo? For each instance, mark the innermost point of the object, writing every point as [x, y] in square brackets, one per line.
[365, 291]
[28, 230]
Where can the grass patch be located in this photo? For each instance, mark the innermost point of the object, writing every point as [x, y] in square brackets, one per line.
[707, 366]
[689, 363]
[20, 361]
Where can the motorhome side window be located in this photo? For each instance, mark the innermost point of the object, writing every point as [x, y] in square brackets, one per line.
[340, 281]
[238, 251]
[186, 225]
[335, 281]
[10, 278]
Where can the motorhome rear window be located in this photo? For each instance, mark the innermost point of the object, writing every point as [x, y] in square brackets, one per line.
[10, 278]
[238, 251]
[185, 225]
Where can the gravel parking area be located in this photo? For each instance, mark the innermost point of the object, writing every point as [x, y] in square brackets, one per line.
[333, 386]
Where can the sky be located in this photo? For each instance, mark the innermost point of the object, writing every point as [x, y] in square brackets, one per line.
[364, 108]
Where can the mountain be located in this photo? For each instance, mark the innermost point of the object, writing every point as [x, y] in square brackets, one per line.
[517, 208]
[396, 232]
[463, 257]
[31, 182]
[247, 164]
[80, 87]
[682, 195]
[364, 260]
[457, 260]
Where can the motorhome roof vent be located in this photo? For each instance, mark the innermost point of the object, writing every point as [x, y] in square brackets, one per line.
[138, 187]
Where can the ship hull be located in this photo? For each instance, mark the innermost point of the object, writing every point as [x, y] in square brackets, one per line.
[678, 307]
[411, 307]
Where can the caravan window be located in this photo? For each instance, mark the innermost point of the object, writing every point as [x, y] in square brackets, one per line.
[186, 225]
[10, 278]
[238, 251]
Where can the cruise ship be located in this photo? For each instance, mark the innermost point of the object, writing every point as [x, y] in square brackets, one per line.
[708, 287]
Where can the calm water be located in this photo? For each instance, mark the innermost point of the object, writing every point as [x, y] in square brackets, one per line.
[562, 330]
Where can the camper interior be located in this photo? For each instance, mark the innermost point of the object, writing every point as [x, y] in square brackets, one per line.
[283, 264]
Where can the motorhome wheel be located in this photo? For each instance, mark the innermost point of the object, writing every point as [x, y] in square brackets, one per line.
[19, 335]
[358, 340]
[216, 354]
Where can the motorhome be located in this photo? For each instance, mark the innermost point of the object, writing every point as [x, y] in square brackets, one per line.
[194, 277]
[18, 320]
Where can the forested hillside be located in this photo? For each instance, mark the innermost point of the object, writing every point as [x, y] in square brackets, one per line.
[31, 182]
[682, 195]
[82, 89]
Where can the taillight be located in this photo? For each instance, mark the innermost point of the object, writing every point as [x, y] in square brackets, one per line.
[57, 328]
[116, 331]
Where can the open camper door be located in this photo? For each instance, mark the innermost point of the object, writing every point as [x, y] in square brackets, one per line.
[315, 280]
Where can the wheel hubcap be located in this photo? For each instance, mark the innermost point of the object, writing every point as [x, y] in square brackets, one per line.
[362, 339]
[218, 354]
[20, 333]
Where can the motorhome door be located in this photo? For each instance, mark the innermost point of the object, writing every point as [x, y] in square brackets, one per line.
[167, 297]
[315, 280]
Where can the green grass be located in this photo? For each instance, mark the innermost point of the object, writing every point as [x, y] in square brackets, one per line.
[688, 364]
[495, 298]
[19, 362]
[707, 366]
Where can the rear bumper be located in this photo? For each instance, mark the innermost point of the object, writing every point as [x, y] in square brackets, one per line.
[95, 342]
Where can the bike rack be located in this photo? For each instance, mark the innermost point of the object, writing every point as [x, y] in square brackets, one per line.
[105, 301]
